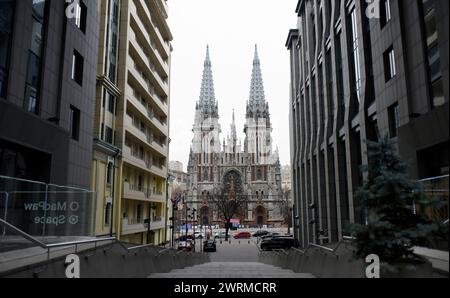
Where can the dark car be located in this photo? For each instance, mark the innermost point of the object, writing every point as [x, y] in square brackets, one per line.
[209, 246]
[242, 235]
[260, 233]
[277, 242]
[185, 238]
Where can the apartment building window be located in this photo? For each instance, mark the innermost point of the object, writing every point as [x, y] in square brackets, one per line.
[390, 70]
[34, 67]
[81, 16]
[77, 67]
[6, 25]
[113, 40]
[433, 53]
[111, 103]
[109, 135]
[139, 213]
[107, 214]
[385, 11]
[74, 123]
[109, 173]
[394, 120]
[354, 51]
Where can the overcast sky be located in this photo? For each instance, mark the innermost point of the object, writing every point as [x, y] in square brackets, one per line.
[231, 28]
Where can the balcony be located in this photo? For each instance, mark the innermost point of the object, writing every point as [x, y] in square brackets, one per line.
[147, 112]
[132, 227]
[135, 161]
[142, 53]
[157, 223]
[133, 192]
[146, 86]
[137, 132]
[152, 24]
[146, 165]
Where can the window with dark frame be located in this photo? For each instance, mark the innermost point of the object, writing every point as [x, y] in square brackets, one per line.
[109, 173]
[431, 43]
[109, 133]
[81, 16]
[111, 103]
[390, 68]
[74, 123]
[385, 11]
[6, 27]
[77, 67]
[107, 214]
[394, 120]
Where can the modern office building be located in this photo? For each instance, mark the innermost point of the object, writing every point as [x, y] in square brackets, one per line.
[47, 90]
[131, 128]
[356, 77]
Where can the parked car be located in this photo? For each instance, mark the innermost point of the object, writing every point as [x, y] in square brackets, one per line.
[277, 242]
[209, 246]
[198, 235]
[260, 233]
[220, 235]
[242, 235]
[185, 238]
[185, 245]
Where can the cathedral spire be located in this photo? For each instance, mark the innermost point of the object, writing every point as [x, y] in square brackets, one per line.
[207, 102]
[257, 86]
[233, 133]
[257, 107]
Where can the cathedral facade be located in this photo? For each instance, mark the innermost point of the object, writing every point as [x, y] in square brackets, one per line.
[250, 169]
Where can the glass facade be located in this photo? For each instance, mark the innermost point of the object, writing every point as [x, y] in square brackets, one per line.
[433, 53]
[354, 51]
[34, 68]
[6, 25]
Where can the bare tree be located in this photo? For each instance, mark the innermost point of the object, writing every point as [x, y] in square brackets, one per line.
[228, 205]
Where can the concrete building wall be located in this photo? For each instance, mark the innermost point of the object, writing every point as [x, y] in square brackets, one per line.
[47, 127]
[342, 94]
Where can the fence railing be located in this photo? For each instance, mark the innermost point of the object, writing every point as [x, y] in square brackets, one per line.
[41, 209]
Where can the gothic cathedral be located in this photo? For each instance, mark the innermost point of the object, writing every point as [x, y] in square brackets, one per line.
[251, 170]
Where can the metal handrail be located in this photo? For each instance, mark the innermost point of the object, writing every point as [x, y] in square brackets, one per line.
[325, 248]
[48, 247]
[28, 237]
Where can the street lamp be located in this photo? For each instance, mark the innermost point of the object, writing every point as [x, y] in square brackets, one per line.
[193, 224]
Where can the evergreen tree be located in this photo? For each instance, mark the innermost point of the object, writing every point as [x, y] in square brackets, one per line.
[390, 198]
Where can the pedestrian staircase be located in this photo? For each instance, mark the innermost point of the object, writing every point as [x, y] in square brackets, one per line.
[231, 270]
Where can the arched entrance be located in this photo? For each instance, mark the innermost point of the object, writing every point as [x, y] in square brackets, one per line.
[204, 216]
[260, 215]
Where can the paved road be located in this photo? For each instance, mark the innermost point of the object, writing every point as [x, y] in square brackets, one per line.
[231, 270]
[234, 251]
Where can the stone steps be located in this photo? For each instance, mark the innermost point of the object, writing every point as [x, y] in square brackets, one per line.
[232, 270]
